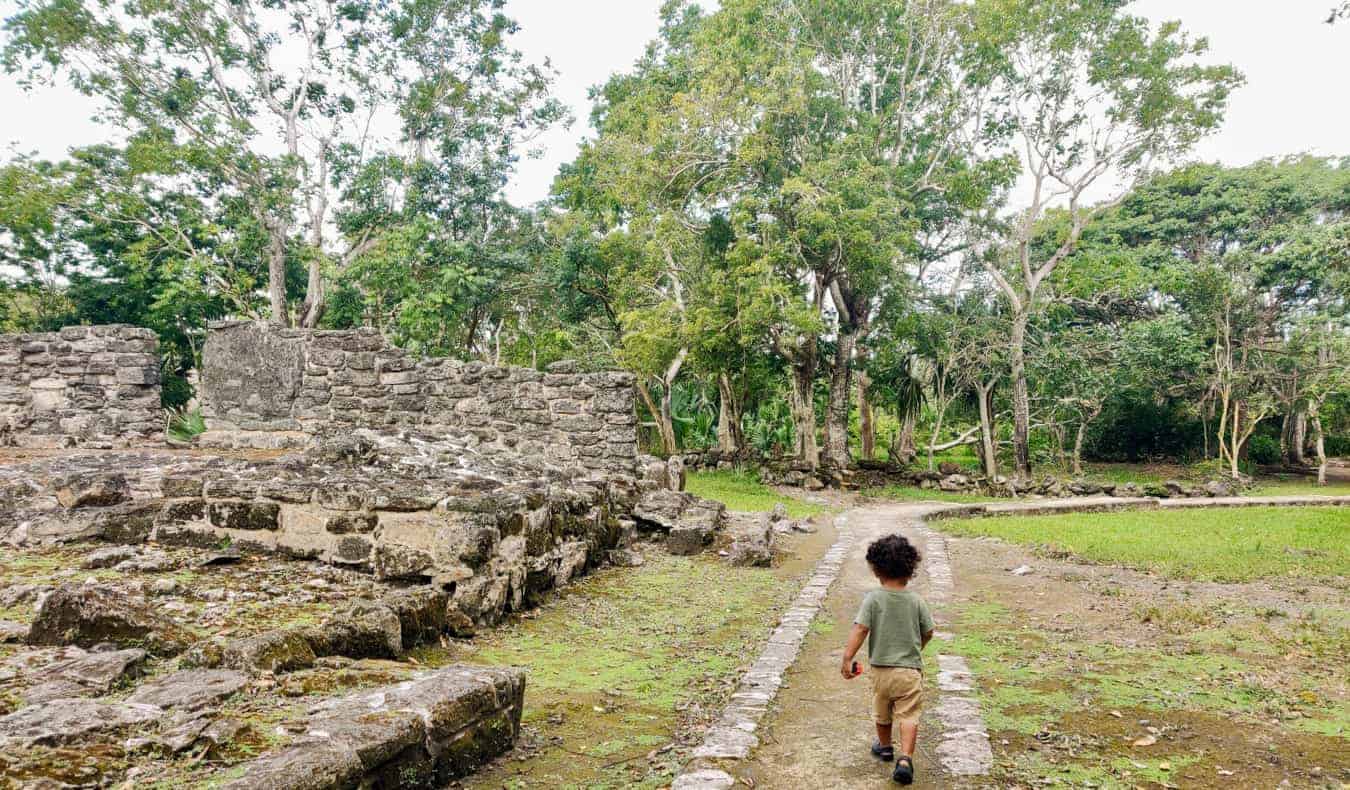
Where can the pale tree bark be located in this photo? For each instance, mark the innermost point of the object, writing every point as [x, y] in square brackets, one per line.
[867, 432]
[853, 320]
[1021, 399]
[1319, 444]
[276, 271]
[801, 379]
[729, 437]
[906, 451]
[988, 444]
[836, 414]
[664, 429]
[1298, 438]
[1081, 435]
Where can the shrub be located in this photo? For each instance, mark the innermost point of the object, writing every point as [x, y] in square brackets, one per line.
[185, 424]
[1264, 449]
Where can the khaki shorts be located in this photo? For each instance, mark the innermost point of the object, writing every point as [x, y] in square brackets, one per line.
[897, 694]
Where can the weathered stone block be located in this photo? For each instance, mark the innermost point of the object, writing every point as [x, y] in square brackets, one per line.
[243, 515]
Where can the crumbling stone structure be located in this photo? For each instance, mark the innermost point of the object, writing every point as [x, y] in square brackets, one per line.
[91, 386]
[266, 385]
[436, 496]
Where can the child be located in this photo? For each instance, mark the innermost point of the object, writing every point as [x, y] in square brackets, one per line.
[897, 625]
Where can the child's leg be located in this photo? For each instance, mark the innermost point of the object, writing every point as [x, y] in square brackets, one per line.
[909, 736]
[884, 734]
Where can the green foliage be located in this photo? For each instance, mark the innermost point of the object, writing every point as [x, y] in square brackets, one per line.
[1263, 449]
[184, 424]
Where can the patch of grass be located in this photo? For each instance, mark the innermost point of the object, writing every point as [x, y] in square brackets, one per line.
[614, 659]
[915, 494]
[1179, 619]
[1294, 485]
[742, 491]
[1207, 545]
[1065, 711]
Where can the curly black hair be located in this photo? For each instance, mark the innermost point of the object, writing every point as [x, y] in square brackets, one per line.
[893, 557]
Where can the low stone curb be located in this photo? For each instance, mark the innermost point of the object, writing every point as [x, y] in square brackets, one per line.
[963, 749]
[733, 736]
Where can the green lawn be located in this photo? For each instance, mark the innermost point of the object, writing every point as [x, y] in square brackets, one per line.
[1289, 485]
[740, 491]
[915, 494]
[1209, 545]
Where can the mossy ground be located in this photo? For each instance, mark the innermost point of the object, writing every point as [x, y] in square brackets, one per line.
[1213, 545]
[1168, 672]
[1181, 712]
[622, 664]
[743, 491]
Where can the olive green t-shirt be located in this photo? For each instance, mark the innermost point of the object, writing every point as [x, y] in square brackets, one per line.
[896, 621]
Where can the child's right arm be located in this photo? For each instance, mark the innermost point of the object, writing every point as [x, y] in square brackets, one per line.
[855, 640]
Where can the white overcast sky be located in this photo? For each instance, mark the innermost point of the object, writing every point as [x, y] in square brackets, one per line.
[1294, 100]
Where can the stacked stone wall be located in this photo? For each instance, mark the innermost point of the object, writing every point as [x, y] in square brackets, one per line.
[264, 382]
[94, 386]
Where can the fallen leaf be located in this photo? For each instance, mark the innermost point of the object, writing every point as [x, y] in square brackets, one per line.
[1164, 766]
[1147, 740]
[1116, 713]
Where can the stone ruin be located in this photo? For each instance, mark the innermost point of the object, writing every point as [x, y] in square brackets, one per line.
[90, 386]
[423, 499]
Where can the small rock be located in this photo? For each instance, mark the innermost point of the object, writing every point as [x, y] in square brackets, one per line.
[88, 615]
[779, 512]
[190, 689]
[108, 557]
[626, 558]
[164, 586]
[11, 632]
[221, 558]
[63, 721]
[1021, 570]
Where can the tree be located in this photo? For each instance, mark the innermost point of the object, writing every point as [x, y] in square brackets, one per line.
[1092, 94]
[1250, 258]
[331, 123]
[827, 139]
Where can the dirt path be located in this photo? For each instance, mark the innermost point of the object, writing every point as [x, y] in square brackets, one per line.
[1095, 675]
[819, 730]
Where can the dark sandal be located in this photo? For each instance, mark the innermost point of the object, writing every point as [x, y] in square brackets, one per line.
[883, 753]
[904, 770]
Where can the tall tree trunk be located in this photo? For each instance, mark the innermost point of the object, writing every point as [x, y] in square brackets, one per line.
[906, 451]
[664, 427]
[1078, 448]
[867, 428]
[988, 446]
[729, 439]
[1287, 437]
[937, 430]
[801, 379]
[836, 414]
[1298, 438]
[312, 309]
[1319, 445]
[1021, 399]
[276, 271]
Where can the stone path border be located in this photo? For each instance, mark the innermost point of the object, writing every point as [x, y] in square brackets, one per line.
[733, 736]
[964, 749]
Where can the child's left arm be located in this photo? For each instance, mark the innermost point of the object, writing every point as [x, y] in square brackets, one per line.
[855, 640]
